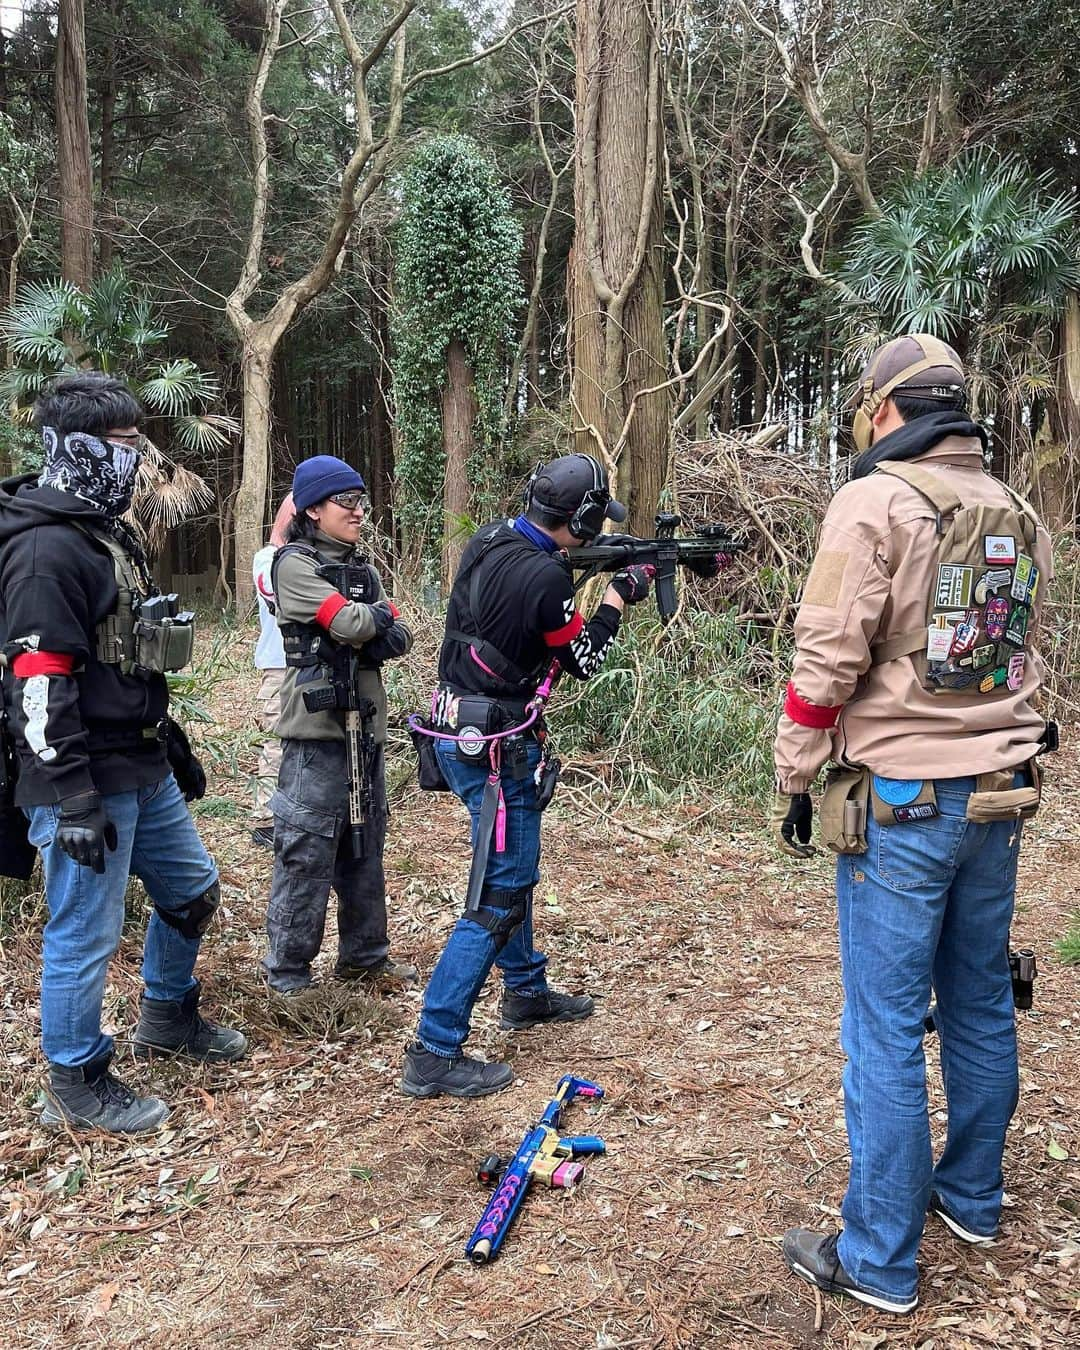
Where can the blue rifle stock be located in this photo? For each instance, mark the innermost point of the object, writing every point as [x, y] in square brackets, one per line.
[542, 1155]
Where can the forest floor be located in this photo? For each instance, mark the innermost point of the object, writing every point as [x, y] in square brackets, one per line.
[296, 1200]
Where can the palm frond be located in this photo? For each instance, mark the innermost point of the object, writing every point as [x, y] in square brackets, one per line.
[205, 433]
[174, 387]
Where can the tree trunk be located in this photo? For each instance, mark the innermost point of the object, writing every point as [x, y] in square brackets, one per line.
[459, 413]
[1055, 468]
[109, 89]
[249, 514]
[615, 284]
[73, 148]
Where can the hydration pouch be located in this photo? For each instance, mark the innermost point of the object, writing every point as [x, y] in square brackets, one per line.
[429, 772]
[995, 797]
[842, 813]
[163, 645]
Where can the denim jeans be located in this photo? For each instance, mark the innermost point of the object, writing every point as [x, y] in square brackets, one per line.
[157, 842]
[928, 906]
[472, 950]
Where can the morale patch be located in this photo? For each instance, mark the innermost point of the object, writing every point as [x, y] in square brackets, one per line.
[939, 643]
[1026, 581]
[999, 548]
[954, 586]
[990, 582]
[825, 579]
[920, 811]
[897, 791]
[996, 617]
[966, 634]
[990, 682]
[1014, 677]
[1016, 632]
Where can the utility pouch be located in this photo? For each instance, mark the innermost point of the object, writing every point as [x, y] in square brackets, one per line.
[842, 813]
[164, 644]
[995, 798]
[429, 772]
[476, 717]
[546, 778]
[515, 758]
[902, 801]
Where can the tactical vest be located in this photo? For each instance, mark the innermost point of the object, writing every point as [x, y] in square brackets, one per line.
[982, 596]
[145, 634]
[307, 645]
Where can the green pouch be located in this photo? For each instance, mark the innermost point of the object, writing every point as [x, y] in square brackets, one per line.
[164, 645]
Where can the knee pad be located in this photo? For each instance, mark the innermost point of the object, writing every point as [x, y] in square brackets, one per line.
[501, 913]
[198, 916]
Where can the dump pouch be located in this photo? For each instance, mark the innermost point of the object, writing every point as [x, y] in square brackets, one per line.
[995, 797]
[842, 814]
[429, 772]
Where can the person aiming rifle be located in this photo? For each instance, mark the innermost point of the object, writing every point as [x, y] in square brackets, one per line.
[511, 614]
[337, 628]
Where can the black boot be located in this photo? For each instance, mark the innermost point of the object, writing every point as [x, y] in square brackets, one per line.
[175, 1028]
[428, 1075]
[521, 1011]
[89, 1097]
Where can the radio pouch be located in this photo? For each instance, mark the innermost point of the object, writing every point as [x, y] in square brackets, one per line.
[995, 797]
[842, 813]
[477, 716]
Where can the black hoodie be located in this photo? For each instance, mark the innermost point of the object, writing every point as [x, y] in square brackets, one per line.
[77, 720]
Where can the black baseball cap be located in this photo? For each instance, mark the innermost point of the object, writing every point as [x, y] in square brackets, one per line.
[564, 484]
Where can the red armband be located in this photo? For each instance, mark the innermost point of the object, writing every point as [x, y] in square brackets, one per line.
[567, 633]
[394, 609]
[42, 663]
[809, 714]
[324, 615]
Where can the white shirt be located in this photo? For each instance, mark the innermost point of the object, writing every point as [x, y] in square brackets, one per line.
[269, 652]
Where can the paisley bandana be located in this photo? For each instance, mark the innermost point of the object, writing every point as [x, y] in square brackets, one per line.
[100, 472]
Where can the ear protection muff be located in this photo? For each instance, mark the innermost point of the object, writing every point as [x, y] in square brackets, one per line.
[588, 520]
[527, 493]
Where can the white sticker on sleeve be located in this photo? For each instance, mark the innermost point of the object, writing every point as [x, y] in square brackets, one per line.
[35, 701]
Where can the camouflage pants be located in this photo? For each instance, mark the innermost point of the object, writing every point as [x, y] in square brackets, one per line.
[312, 854]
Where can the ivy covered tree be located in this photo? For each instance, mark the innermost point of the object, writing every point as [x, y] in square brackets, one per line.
[457, 288]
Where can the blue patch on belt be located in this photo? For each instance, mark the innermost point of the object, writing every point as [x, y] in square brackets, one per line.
[897, 791]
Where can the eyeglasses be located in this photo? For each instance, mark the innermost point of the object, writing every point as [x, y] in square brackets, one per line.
[350, 500]
[135, 439]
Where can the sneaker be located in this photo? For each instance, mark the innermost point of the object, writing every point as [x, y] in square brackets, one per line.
[521, 1011]
[177, 1028]
[386, 971]
[937, 1206]
[89, 1097]
[813, 1257]
[263, 837]
[428, 1075]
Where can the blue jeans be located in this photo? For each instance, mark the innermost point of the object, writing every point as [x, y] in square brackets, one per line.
[928, 906]
[472, 950]
[157, 842]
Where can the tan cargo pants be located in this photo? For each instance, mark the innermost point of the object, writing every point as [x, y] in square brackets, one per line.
[268, 705]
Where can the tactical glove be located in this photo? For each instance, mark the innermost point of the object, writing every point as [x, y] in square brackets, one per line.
[382, 616]
[792, 816]
[84, 832]
[632, 583]
[188, 772]
[709, 567]
[394, 642]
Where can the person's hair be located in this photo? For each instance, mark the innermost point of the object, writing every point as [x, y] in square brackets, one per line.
[300, 527]
[909, 407]
[548, 517]
[92, 402]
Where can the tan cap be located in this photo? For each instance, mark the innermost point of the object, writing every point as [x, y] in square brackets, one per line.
[916, 361]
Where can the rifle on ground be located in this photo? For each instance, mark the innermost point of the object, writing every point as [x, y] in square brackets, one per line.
[542, 1155]
[612, 552]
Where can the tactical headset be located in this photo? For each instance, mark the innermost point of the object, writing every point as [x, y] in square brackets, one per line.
[588, 518]
[868, 399]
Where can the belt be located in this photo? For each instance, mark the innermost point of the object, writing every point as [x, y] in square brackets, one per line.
[140, 739]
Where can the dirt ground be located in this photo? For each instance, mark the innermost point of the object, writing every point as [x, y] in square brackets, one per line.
[298, 1201]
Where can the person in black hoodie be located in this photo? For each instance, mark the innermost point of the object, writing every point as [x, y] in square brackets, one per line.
[103, 774]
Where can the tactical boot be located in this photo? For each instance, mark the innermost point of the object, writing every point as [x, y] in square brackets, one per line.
[428, 1075]
[387, 971]
[176, 1028]
[89, 1097]
[521, 1011]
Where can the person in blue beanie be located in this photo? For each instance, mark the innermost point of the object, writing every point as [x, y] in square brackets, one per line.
[331, 606]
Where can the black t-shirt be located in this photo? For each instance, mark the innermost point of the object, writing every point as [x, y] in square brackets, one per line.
[518, 600]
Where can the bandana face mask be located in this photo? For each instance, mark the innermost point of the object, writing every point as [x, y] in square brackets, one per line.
[97, 471]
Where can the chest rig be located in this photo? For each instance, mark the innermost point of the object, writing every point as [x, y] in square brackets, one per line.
[308, 647]
[147, 634]
[982, 594]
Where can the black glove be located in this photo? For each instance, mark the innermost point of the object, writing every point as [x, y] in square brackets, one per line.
[188, 772]
[84, 832]
[792, 817]
[709, 567]
[394, 642]
[632, 583]
[382, 616]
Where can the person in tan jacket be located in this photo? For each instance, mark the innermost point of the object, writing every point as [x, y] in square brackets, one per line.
[916, 674]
